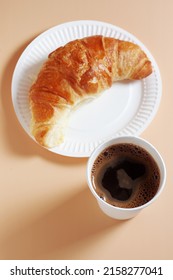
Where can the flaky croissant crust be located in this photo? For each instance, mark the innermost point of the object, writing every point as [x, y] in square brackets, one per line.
[81, 68]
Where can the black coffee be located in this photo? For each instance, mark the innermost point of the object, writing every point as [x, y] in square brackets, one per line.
[125, 175]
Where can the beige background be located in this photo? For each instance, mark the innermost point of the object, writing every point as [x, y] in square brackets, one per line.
[46, 208]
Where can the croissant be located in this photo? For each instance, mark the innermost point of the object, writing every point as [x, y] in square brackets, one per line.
[81, 69]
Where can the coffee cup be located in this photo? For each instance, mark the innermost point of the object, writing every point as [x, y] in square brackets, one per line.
[125, 174]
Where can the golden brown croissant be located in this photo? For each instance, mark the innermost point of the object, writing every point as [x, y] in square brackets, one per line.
[76, 71]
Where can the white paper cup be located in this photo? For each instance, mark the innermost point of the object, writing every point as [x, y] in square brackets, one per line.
[126, 213]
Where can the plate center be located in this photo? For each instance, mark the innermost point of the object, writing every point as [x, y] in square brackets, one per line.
[103, 110]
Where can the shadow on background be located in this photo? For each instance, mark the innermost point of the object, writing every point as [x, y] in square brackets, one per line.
[75, 219]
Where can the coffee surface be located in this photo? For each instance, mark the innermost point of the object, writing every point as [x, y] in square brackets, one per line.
[125, 175]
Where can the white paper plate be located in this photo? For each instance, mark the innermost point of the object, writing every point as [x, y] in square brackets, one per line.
[126, 108]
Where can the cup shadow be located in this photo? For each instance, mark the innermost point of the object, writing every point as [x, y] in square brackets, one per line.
[16, 138]
[75, 219]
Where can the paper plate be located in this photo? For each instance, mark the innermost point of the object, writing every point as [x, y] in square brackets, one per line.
[127, 108]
